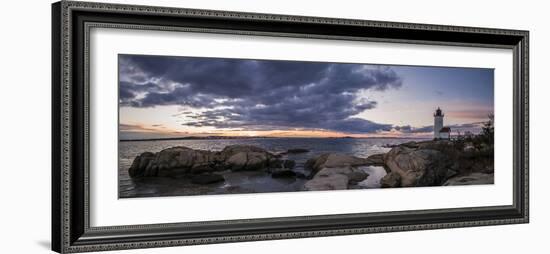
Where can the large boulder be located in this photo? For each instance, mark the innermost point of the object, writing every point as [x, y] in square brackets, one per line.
[354, 175]
[417, 167]
[314, 163]
[245, 157]
[334, 160]
[182, 160]
[357, 176]
[410, 144]
[171, 161]
[390, 180]
[342, 160]
[248, 161]
[376, 160]
[334, 166]
[140, 164]
[473, 178]
[331, 182]
[343, 177]
[437, 162]
[237, 161]
[229, 151]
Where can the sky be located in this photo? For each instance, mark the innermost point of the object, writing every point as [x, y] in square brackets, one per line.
[169, 96]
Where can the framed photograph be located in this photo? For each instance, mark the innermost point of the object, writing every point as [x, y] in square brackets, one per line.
[182, 126]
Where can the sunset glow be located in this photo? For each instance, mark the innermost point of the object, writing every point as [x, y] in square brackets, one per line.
[166, 97]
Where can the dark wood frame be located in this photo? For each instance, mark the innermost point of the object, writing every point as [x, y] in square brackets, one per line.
[71, 22]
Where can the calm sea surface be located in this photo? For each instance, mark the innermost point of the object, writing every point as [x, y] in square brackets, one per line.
[245, 182]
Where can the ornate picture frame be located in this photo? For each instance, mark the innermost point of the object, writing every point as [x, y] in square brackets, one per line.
[71, 229]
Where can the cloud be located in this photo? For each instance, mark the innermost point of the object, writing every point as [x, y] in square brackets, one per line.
[257, 94]
[407, 129]
[137, 131]
[357, 125]
[136, 128]
[410, 129]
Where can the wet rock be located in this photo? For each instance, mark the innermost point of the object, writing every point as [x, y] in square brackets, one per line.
[288, 164]
[331, 182]
[229, 151]
[432, 163]
[257, 161]
[334, 160]
[376, 160]
[139, 165]
[183, 157]
[247, 161]
[410, 144]
[473, 178]
[300, 175]
[178, 161]
[352, 175]
[237, 161]
[450, 173]
[417, 167]
[283, 173]
[203, 168]
[342, 160]
[331, 171]
[315, 163]
[239, 158]
[297, 150]
[332, 166]
[391, 180]
[357, 176]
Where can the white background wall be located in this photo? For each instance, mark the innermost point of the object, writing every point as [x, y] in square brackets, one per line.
[25, 125]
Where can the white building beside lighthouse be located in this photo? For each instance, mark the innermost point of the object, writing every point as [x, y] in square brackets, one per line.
[440, 132]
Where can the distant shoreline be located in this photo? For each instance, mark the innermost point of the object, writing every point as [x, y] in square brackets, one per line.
[259, 137]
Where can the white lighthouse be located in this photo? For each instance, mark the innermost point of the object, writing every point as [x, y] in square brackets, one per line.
[438, 123]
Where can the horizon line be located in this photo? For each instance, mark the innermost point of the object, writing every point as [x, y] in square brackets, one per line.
[267, 137]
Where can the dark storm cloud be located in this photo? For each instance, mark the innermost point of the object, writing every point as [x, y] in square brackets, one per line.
[357, 125]
[256, 93]
[128, 91]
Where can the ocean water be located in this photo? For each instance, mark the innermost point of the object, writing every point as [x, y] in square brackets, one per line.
[245, 182]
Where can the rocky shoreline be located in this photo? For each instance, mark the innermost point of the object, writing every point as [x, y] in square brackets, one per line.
[183, 161]
[412, 164]
[438, 163]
